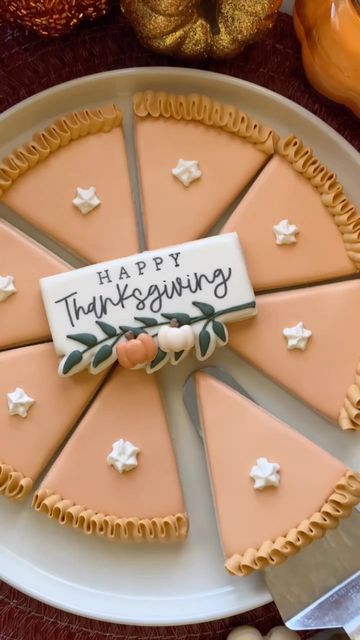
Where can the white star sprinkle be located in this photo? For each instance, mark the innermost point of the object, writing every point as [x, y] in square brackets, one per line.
[187, 171]
[123, 456]
[19, 402]
[86, 199]
[7, 287]
[285, 233]
[297, 336]
[265, 474]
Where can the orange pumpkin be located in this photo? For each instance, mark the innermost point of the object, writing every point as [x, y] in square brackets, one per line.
[329, 32]
[136, 351]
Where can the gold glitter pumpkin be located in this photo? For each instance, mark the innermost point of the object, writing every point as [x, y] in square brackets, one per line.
[200, 28]
[52, 17]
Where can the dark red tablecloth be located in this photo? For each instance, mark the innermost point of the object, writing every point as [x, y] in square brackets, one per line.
[29, 64]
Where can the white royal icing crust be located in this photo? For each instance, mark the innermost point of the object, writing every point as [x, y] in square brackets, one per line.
[187, 171]
[198, 285]
[123, 456]
[86, 200]
[285, 233]
[265, 474]
[19, 402]
[297, 336]
[7, 287]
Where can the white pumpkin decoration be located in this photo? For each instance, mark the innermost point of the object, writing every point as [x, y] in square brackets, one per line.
[172, 338]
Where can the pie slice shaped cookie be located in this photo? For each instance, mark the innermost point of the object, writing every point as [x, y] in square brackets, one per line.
[117, 475]
[225, 146]
[22, 263]
[322, 369]
[71, 181]
[302, 490]
[295, 224]
[37, 410]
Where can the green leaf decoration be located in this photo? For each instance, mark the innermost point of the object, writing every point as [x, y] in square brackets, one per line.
[88, 339]
[204, 342]
[158, 358]
[207, 309]
[108, 329]
[177, 355]
[148, 322]
[71, 361]
[182, 318]
[219, 330]
[103, 354]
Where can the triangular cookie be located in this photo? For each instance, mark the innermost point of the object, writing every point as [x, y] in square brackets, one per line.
[229, 149]
[22, 315]
[28, 443]
[144, 503]
[282, 193]
[44, 194]
[326, 374]
[262, 526]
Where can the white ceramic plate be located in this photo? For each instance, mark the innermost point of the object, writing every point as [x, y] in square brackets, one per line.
[184, 583]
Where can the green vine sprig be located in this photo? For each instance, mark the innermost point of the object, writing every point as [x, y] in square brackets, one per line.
[112, 335]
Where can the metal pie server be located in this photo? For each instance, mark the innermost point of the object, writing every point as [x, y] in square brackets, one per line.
[319, 588]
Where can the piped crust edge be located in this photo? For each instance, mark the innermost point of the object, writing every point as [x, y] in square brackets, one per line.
[207, 111]
[339, 505]
[68, 128]
[331, 192]
[66, 512]
[13, 484]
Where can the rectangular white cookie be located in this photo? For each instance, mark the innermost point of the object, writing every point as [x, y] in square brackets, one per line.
[206, 279]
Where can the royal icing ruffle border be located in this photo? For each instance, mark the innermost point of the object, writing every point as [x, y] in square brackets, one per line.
[68, 128]
[66, 512]
[207, 111]
[349, 416]
[339, 505]
[13, 484]
[331, 192]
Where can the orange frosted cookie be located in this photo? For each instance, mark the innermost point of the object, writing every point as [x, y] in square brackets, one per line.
[293, 232]
[194, 158]
[72, 182]
[274, 490]
[117, 475]
[22, 263]
[37, 410]
[308, 341]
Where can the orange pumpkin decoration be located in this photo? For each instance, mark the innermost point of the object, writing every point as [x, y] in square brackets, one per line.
[198, 28]
[329, 32]
[136, 351]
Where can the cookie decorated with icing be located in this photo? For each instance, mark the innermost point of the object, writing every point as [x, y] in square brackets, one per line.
[150, 308]
[285, 223]
[194, 158]
[72, 182]
[137, 496]
[259, 524]
[23, 262]
[308, 341]
[37, 410]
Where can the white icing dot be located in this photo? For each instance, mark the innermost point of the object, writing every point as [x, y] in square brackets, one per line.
[187, 171]
[297, 336]
[19, 402]
[123, 456]
[265, 474]
[86, 199]
[7, 287]
[285, 233]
